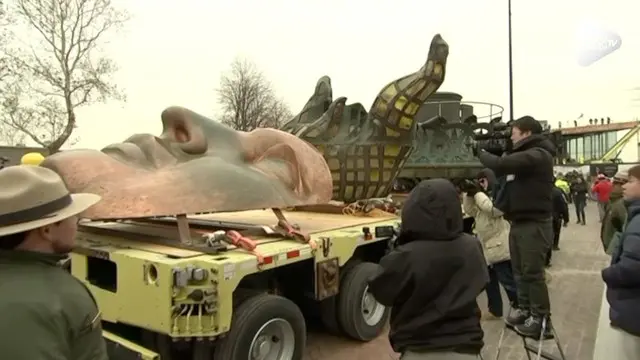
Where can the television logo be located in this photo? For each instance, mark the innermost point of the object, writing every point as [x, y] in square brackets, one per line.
[595, 42]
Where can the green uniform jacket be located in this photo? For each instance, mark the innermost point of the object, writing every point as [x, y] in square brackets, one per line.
[614, 218]
[45, 313]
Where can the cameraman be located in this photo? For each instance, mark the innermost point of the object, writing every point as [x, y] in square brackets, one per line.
[525, 199]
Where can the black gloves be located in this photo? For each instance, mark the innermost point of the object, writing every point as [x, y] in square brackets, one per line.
[494, 149]
[566, 223]
[471, 187]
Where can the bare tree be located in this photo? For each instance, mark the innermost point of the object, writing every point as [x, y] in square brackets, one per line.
[248, 100]
[63, 70]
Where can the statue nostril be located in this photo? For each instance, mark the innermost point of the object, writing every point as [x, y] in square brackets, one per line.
[181, 134]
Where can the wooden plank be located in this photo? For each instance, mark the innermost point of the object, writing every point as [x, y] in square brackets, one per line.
[147, 238]
[309, 222]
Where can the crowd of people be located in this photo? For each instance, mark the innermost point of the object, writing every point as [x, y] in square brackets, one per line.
[431, 279]
[439, 268]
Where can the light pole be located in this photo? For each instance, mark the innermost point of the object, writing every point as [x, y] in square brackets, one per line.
[510, 66]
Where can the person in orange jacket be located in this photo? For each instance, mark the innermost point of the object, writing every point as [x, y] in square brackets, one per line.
[602, 190]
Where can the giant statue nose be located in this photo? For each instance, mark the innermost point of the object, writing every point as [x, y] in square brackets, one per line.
[179, 126]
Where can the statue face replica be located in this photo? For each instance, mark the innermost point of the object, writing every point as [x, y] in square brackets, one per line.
[329, 150]
[196, 165]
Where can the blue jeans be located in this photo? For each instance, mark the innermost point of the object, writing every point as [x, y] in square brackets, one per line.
[501, 273]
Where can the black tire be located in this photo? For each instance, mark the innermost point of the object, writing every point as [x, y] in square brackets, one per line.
[250, 316]
[329, 306]
[349, 309]
[328, 315]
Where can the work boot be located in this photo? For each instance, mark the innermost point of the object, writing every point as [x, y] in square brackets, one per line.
[517, 317]
[532, 327]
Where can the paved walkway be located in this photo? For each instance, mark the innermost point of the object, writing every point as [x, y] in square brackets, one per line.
[576, 295]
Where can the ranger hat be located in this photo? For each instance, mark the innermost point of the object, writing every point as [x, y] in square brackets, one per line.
[33, 196]
[621, 176]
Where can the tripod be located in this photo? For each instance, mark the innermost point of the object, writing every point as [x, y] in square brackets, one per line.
[547, 333]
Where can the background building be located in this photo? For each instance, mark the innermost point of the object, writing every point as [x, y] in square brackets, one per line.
[601, 141]
[15, 153]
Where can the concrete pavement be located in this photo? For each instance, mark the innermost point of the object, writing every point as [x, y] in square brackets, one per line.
[576, 295]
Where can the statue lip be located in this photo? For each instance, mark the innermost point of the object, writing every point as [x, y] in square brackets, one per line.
[147, 151]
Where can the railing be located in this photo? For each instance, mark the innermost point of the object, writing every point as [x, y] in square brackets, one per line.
[493, 110]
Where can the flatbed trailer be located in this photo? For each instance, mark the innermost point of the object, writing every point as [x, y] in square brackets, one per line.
[164, 298]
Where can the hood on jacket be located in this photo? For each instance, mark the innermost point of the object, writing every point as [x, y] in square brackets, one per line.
[536, 140]
[633, 208]
[432, 211]
[489, 175]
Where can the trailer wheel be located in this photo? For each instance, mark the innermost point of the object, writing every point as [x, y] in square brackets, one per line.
[264, 327]
[328, 315]
[361, 317]
[328, 306]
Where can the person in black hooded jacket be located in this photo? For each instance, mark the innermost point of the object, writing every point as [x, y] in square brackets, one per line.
[527, 203]
[432, 278]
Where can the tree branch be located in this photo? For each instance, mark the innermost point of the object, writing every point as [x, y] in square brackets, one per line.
[247, 99]
[64, 71]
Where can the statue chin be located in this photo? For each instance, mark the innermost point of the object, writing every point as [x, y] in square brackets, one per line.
[196, 165]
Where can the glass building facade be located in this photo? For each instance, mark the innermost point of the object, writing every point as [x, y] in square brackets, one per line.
[590, 146]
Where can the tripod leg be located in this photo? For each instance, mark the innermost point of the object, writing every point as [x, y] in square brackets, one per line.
[542, 332]
[555, 337]
[500, 343]
[524, 346]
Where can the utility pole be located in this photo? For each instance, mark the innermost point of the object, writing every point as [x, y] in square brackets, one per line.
[510, 67]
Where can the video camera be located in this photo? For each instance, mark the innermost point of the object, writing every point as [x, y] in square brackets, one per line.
[497, 139]
[494, 136]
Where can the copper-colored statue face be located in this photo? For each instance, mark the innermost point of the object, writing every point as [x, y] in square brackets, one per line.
[196, 165]
[366, 151]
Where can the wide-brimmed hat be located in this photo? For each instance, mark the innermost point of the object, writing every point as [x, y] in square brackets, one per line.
[33, 196]
[621, 176]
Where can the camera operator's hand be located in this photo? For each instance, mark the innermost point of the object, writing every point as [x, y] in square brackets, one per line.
[471, 187]
[496, 150]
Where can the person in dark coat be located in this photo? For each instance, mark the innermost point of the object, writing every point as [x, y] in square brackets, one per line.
[579, 192]
[622, 279]
[560, 218]
[526, 201]
[432, 279]
[616, 216]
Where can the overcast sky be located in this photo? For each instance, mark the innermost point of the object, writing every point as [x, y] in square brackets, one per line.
[174, 52]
